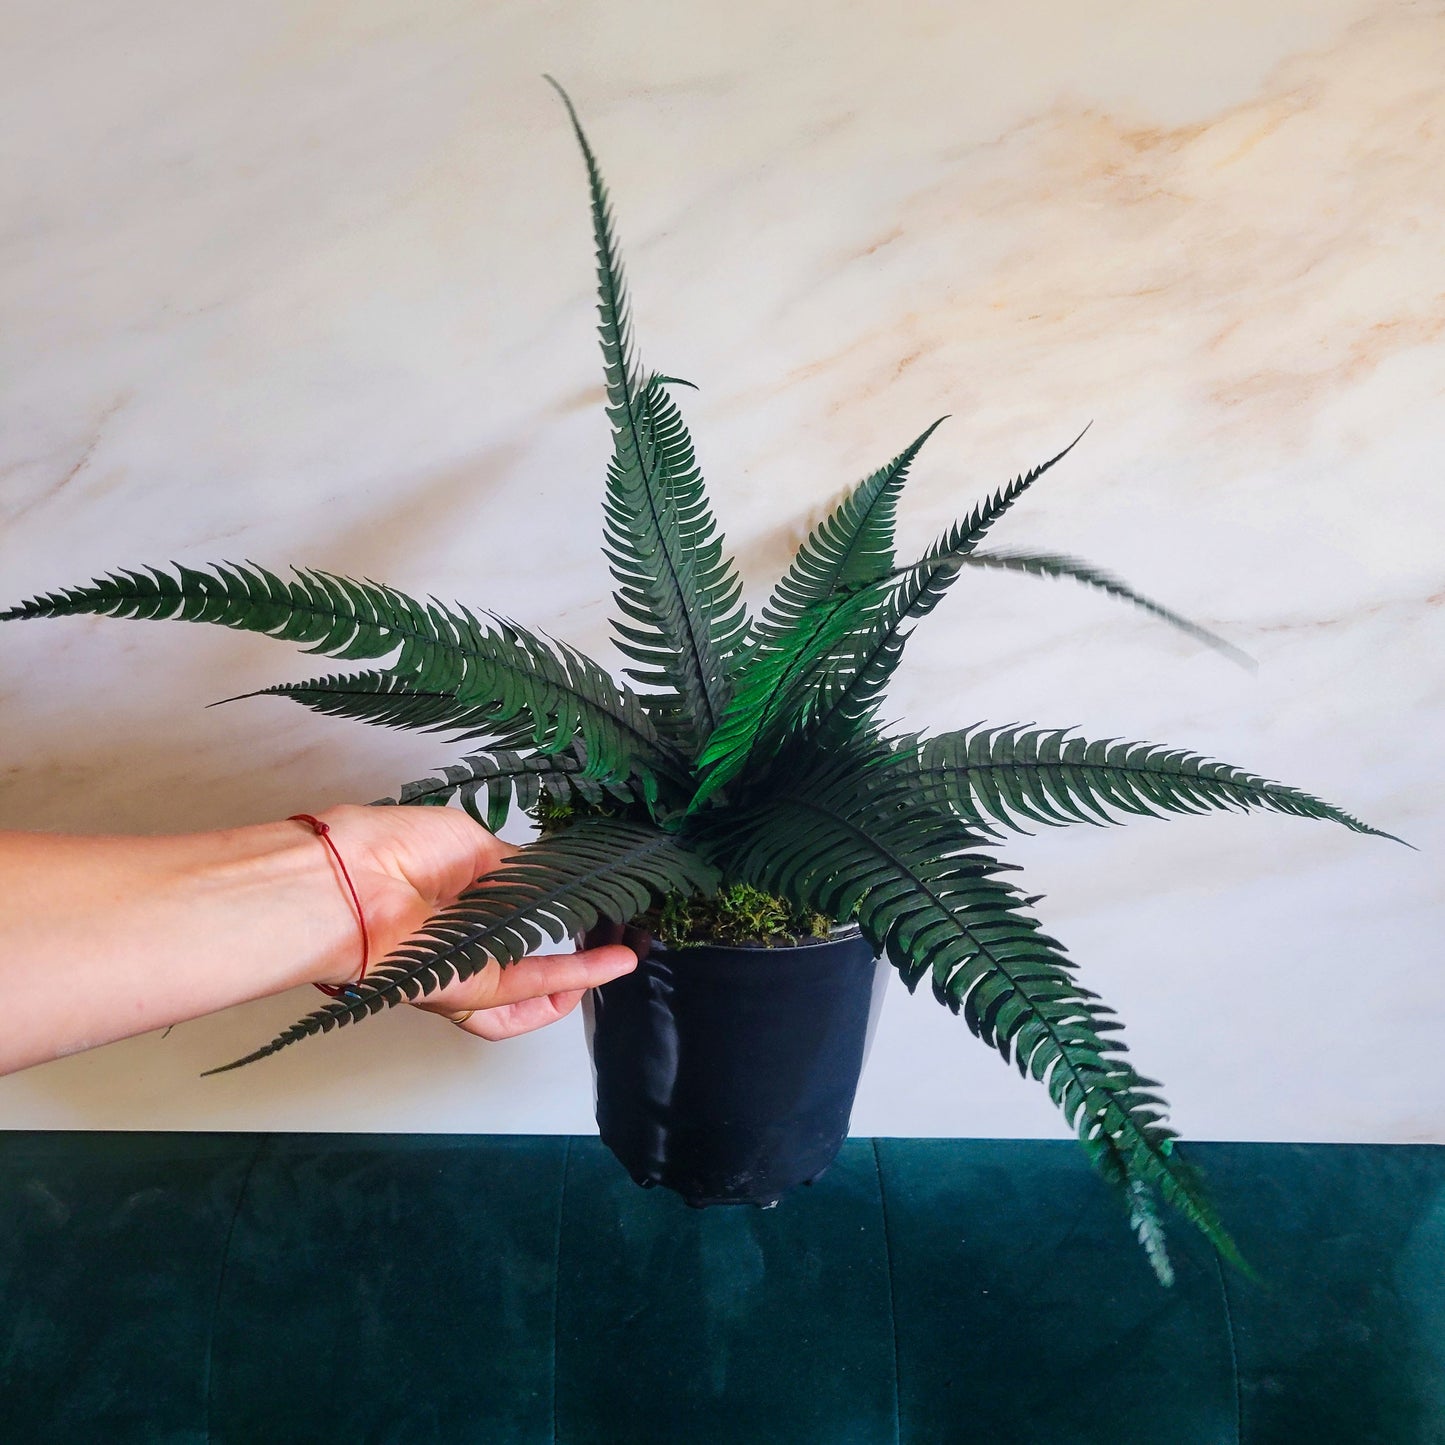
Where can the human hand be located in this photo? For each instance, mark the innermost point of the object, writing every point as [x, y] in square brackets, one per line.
[500, 1003]
[409, 862]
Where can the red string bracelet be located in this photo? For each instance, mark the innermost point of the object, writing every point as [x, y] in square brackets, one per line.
[323, 831]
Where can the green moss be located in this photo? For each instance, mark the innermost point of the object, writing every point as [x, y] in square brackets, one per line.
[738, 913]
[554, 813]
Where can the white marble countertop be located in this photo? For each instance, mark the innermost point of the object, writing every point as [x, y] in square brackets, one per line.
[311, 284]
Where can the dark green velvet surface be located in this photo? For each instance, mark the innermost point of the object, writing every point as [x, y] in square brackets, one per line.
[424, 1264]
[734, 1325]
[423, 1288]
[1017, 1284]
[110, 1249]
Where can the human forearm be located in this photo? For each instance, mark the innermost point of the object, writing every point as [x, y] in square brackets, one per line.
[103, 938]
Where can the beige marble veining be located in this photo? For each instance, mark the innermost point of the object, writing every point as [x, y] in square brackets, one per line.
[310, 283]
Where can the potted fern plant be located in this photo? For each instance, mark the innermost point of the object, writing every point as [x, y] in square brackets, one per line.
[741, 772]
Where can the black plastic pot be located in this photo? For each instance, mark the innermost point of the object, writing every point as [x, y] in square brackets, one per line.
[728, 1074]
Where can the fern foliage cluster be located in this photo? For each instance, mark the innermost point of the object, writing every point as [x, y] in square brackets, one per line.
[744, 752]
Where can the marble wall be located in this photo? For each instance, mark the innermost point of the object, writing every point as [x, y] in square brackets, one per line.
[310, 283]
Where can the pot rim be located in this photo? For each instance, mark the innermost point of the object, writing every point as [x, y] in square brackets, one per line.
[838, 933]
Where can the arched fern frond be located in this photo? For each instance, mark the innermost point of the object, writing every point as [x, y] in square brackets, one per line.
[1053, 564]
[555, 888]
[1017, 775]
[492, 664]
[849, 835]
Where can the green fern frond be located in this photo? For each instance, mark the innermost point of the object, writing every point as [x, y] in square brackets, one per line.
[678, 595]
[837, 581]
[557, 888]
[840, 699]
[850, 834]
[772, 694]
[966, 535]
[675, 586]
[837, 695]
[848, 549]
[494, 665]
[506, 779]
[333, 615]
[1022, 774]
[379, 697]
[1053, 564]
[1148, 1229]
[713, 573]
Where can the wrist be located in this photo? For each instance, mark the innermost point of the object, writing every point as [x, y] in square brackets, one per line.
[382, 905]
[288, 906]
[322, 830]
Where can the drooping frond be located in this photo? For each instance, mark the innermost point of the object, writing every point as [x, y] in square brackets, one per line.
[1148, 1228]
[848, 690]
[674, 585]
[503, 779]
[1052, 564]
[848, 549]
[491, 664]
[850, 833]
[1017, 775]
[555, 888]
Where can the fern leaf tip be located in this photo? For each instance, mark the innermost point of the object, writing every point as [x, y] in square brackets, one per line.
[567, 101]
[250, 1058]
